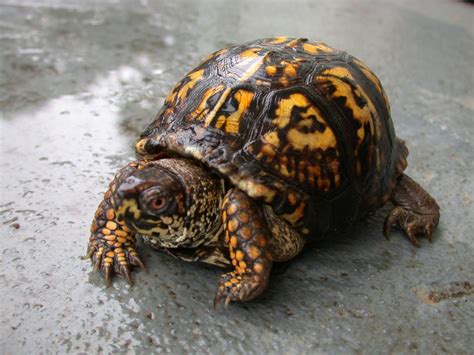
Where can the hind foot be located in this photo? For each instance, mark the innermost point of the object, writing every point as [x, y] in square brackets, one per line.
[415, 211]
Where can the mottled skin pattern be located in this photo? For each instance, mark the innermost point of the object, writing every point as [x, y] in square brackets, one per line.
[249, 242]
[260, 148]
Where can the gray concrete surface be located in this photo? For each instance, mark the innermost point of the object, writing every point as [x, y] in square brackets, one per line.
[78, 81]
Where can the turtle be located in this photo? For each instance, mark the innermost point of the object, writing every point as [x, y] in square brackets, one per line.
[262, 149]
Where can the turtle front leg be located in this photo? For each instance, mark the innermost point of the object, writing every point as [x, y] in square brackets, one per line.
[111, 244]
[415, 211]
[248, 239]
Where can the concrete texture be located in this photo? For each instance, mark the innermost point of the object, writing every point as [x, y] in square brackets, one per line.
[78, 81]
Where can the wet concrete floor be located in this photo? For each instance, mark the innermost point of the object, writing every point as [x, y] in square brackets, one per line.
[80, 79]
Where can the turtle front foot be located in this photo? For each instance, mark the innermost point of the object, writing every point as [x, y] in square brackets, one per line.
[239, 287]
[111, 245]
[415, 211]
[110, 260]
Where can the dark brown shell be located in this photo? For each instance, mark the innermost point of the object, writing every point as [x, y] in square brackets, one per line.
[298, 125]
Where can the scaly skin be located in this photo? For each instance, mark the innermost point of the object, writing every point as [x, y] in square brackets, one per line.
[248, 239]
[415, 211]
[111, 244]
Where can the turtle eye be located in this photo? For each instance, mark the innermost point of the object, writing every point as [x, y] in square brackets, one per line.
[157, 203]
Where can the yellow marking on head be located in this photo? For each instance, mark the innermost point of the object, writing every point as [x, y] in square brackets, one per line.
[131, 205]
[279, 39]
[106, 231]
[233, 241]
[167, 220]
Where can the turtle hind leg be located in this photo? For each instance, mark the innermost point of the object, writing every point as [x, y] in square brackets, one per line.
[415, 211]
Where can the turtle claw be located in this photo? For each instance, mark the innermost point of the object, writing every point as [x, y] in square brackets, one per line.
[107, 271]
[90, 252]
[110, 260]
[412, 223]
[227, 301]
[125, 271]
[98, 260]
[391, 220]
[136, 261]
[234, 287]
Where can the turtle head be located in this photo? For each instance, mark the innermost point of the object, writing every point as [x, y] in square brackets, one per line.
[174, 202]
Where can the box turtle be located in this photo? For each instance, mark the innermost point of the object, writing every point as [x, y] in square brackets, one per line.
[260, 149]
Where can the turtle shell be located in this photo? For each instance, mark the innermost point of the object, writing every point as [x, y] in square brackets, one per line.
[297, 125]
